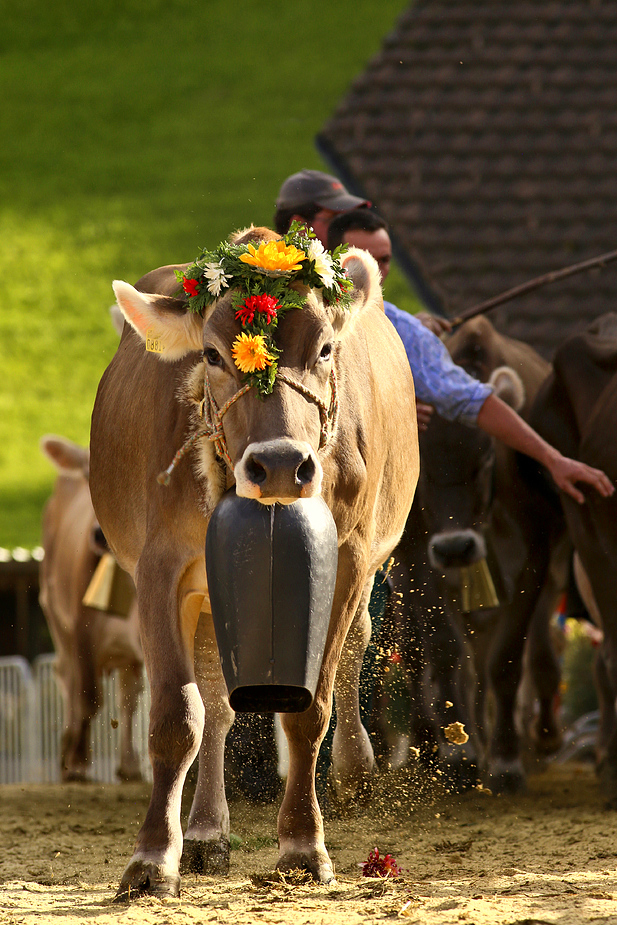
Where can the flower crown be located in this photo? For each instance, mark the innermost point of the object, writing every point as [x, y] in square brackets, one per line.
[262, 277]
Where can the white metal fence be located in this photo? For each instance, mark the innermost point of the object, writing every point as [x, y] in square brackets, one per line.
[32, 719]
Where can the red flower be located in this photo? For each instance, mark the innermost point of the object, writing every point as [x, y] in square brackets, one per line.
[257, 303]
[190, 286]
[380, 867]
[245, 314]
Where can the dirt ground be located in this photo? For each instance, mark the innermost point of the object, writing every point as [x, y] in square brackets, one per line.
[549, 856]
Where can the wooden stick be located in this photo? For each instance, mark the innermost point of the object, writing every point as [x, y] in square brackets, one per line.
[536, 283]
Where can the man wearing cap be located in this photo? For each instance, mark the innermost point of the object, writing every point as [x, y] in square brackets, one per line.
[313, 198]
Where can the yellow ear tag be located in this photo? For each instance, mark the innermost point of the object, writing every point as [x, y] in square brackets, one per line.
[154, 344]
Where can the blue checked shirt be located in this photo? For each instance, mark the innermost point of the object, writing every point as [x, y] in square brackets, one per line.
[455, 394]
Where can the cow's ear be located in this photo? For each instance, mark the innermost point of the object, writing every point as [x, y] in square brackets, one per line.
[364, 273]
[69, 458]
[160, 320]
[508, 386]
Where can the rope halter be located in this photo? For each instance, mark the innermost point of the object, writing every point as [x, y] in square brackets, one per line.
[212, 418]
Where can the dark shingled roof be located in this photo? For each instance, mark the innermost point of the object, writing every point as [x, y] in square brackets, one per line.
[486, 133]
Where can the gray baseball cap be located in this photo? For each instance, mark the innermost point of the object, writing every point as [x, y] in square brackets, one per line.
[320, 188]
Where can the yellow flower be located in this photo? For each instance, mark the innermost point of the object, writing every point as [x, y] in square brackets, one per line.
[250, 353]
[275, 256]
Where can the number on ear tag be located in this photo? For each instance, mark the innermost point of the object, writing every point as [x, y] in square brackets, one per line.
[154, 344]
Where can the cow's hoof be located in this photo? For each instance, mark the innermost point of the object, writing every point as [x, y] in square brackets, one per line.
[205, 857]
[507, 777]
[146, 880]
[316, 863]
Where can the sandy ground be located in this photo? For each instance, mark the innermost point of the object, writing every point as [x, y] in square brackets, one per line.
[549, 856]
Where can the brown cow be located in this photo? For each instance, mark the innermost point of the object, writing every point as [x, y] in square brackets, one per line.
[88, 642]
[366, 471]
[475, 493]
[577, 410]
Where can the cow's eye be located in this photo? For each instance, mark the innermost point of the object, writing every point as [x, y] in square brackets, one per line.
[212, 357]
[326, 352]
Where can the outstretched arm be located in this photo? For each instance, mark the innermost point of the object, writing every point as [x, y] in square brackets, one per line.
[502, 422]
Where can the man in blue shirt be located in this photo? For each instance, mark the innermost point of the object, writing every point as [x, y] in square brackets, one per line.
[443, 385]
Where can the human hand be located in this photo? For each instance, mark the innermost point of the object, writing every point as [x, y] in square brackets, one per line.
[424, 413]
[566, 472]
[434, 323]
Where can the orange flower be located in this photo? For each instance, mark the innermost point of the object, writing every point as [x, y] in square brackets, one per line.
[250, 353]
[274, 257]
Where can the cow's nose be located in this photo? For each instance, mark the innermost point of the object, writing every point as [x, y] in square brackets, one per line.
[457, 548]
[281, 470]
[274, 466]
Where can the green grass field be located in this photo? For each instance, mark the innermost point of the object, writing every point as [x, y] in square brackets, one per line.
[134, 132]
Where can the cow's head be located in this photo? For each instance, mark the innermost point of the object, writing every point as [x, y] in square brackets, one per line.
[457, 478]
[269, 422]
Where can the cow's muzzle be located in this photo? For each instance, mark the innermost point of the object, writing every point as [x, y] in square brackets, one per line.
[280, 470]
[456, 548]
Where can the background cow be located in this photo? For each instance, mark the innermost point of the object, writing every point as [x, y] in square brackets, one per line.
[477, 498]
[87, 641]
[576, 410]
[366, 472]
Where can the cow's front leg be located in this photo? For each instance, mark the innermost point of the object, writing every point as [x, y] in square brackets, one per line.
[206, 841]
[300, 824]
[176, 723]
[353, 762]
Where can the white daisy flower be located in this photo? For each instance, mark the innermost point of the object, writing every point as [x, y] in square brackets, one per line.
[216, 276]
[324, 265]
